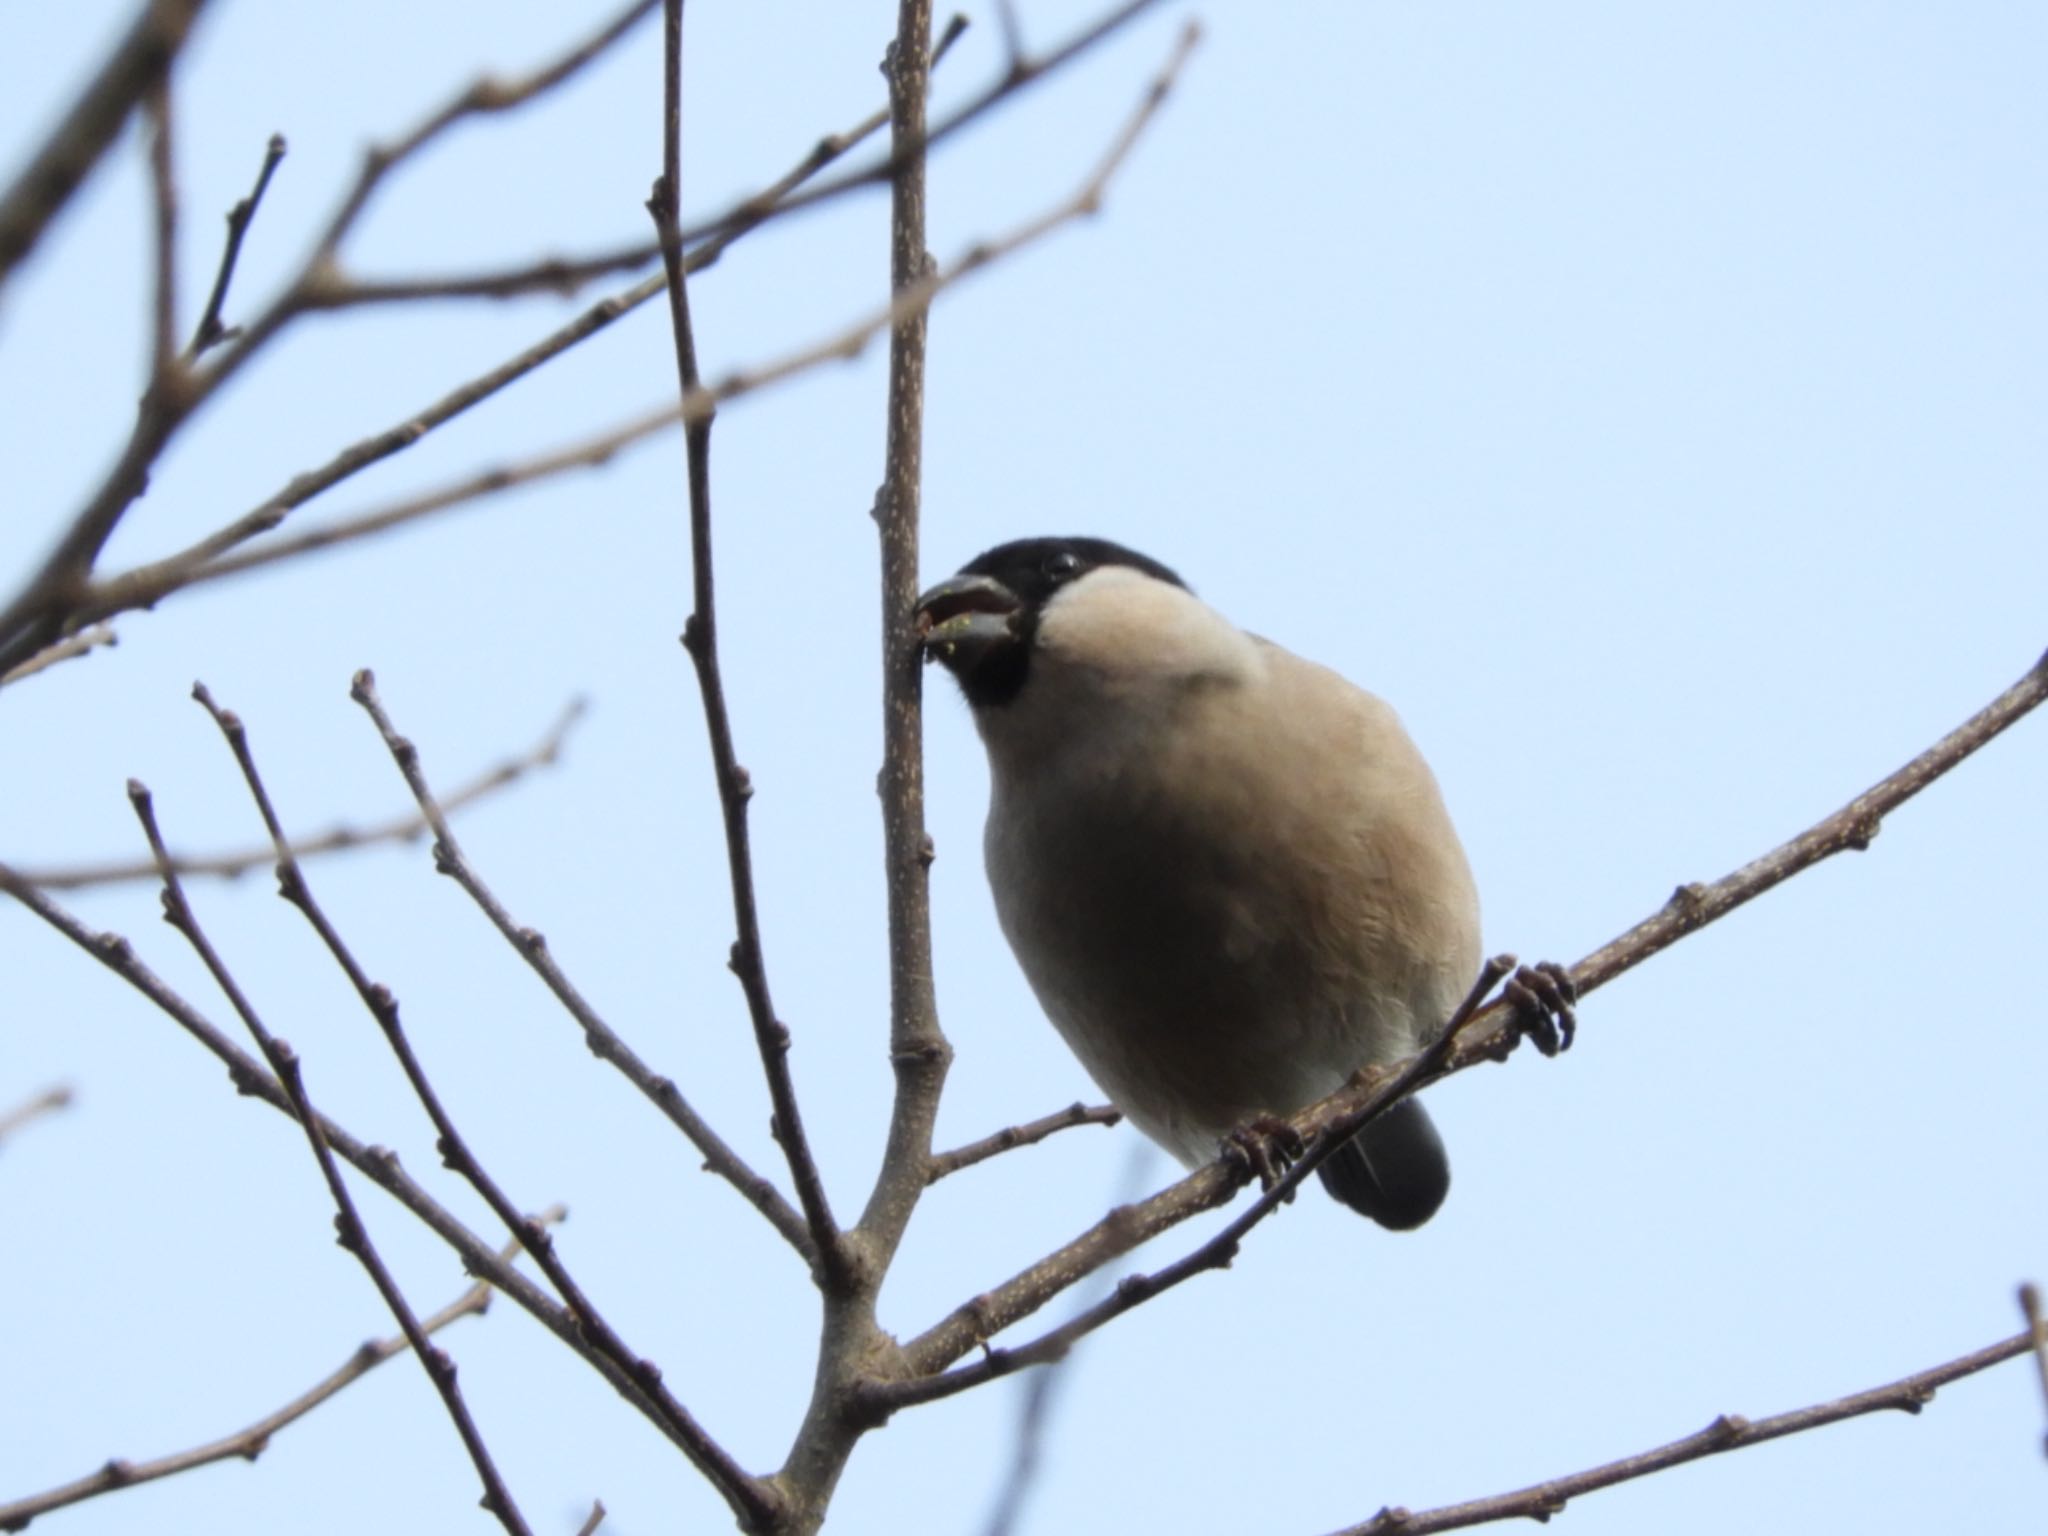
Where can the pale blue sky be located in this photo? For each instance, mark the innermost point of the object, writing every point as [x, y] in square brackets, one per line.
[1647, 400]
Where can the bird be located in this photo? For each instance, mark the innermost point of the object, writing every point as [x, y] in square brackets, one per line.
[1226, 872]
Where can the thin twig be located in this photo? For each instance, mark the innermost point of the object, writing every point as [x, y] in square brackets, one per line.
[603, 1040]
[163, 186]
[399, 829]
[250, 1443]
[700, 639]
[2037, 1334]
[48, 1102]
[378, 1164]
[353, 1236]
[210, 331]
[75, 145]
[146, 586]
[593, 1520]
[1729, 1432]
[563, 276]
[1011, 1137]
[63, 650]
[1483, 1039]
[750, 1500]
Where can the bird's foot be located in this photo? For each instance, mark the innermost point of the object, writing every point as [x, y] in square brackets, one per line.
[1264, 1145]
[1541, 996]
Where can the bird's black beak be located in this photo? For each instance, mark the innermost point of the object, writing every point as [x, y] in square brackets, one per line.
[963, 621]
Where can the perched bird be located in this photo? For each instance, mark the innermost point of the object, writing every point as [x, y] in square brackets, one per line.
[1226, 872]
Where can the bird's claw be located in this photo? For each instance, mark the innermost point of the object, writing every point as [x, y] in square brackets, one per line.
[1541, 996]
[1265, 1146]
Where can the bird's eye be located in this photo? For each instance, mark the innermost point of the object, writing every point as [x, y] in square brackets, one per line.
[1063, 566]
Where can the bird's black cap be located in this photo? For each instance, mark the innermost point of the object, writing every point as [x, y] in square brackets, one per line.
[1036, 568]
[981, 624]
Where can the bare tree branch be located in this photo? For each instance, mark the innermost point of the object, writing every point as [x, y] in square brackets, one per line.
[1484, 1039]
[148, 585]
[563, 276]
[400, 829]
[1853, 827]
[915, 299]
[567, 275]
[66, 158]
[700, 639]
[555, 273]
[49, 603]
[604, 1042]
[918, 1049]
[250, 1443]
[353, 1236]
[483, 97]
[1729, 1432]
[163, 179]
[63, 650]
[210, 331]
[1028, 1134]
[1021, 75]
[62, 596]
[851, 1340]
[379, 1164]
[750, 1501]
[145, 585]
[48, 1102]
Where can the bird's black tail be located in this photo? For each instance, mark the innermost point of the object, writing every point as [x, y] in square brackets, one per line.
[1394, 1170]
